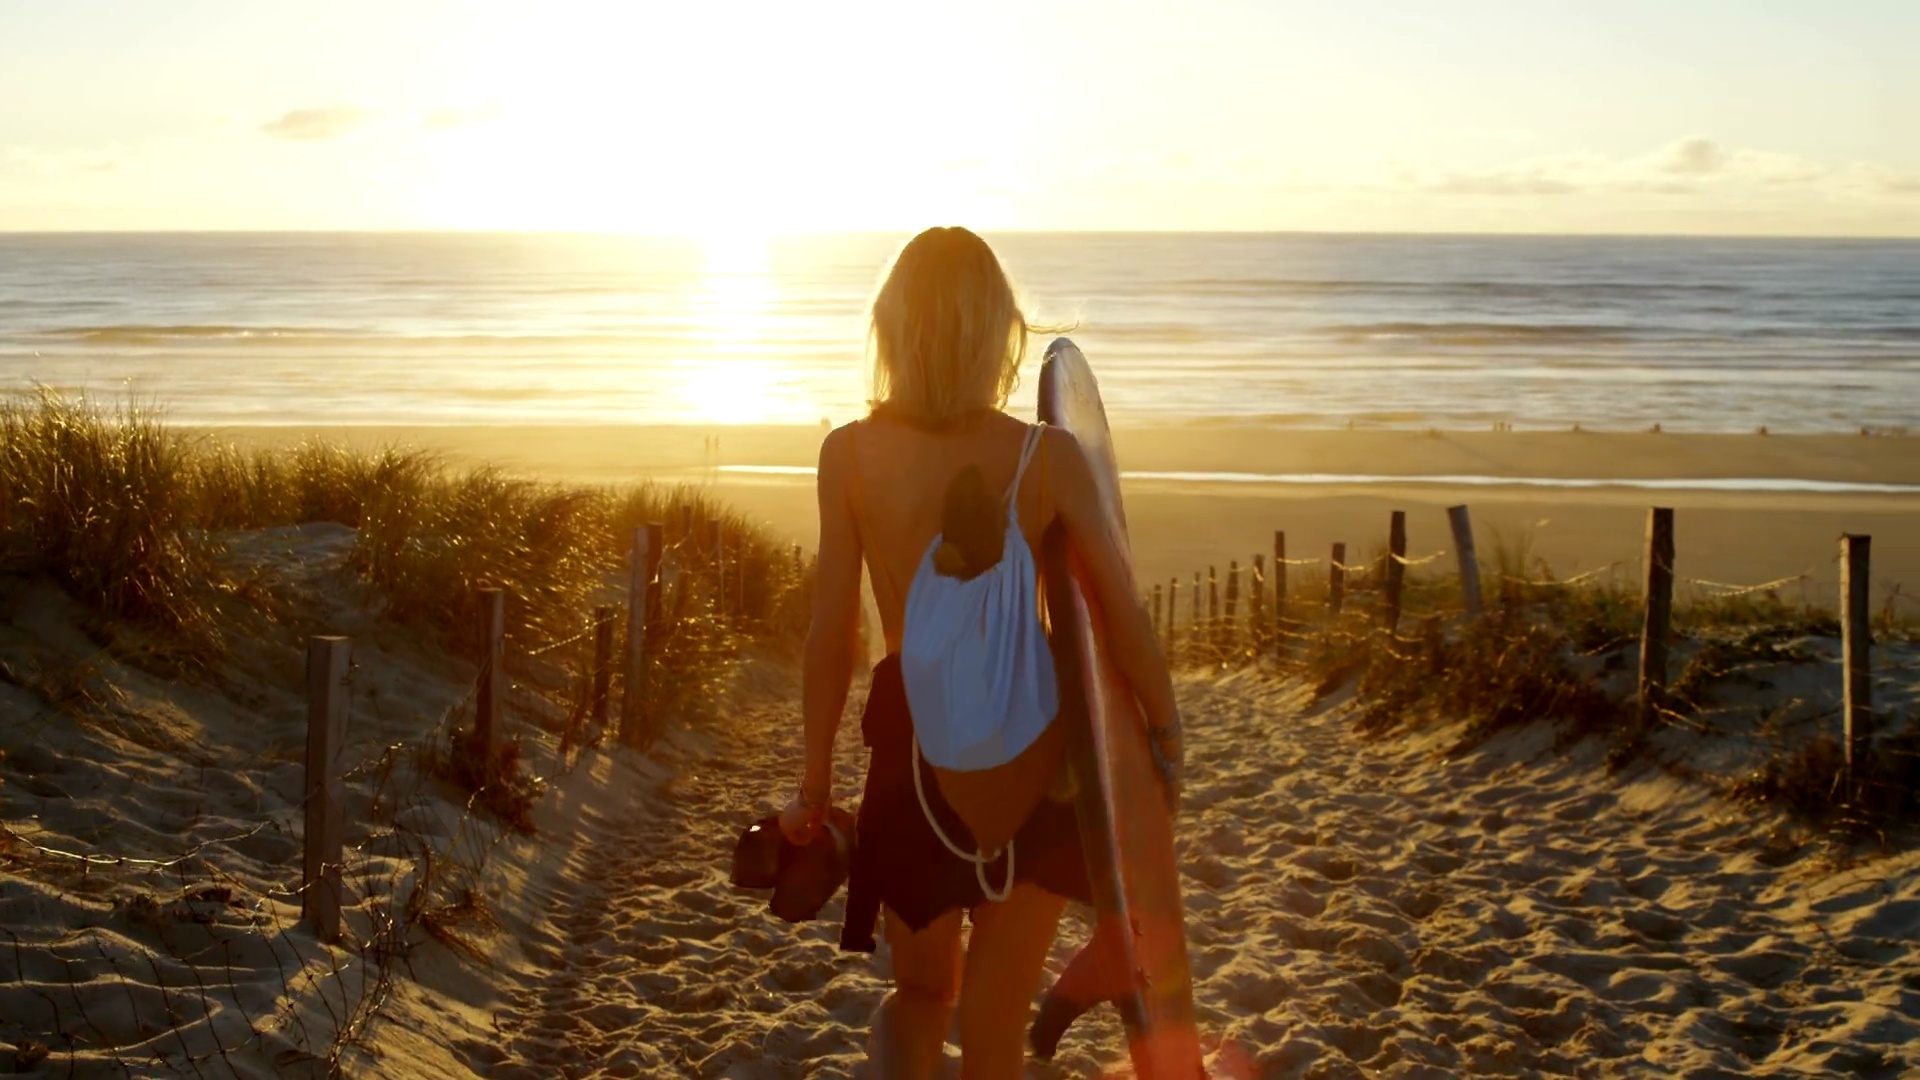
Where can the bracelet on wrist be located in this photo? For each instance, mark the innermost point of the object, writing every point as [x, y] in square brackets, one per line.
[813, 801]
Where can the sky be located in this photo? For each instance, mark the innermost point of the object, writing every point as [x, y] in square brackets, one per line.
[1762, 117]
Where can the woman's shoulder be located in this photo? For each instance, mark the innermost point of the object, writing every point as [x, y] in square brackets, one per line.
[836, 453]
[842, 437]
[1059, 446]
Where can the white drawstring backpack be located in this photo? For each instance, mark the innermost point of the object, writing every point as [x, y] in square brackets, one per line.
[979, 677]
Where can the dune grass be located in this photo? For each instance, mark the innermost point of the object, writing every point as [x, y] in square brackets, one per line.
[1565, 650]
[1545, 649]
[128, 514]
[103, 502]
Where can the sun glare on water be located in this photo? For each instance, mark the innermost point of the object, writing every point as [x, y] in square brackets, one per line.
[731, 377]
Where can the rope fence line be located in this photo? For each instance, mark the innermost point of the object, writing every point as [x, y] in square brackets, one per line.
[1723, 591]
[1563, 583]
[541, 650]
[1348, 634]
[9, 833]
[1270, 620]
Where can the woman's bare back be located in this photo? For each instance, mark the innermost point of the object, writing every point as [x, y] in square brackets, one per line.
[898, 477]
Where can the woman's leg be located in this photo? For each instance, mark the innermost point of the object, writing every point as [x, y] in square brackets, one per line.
[1005, 958]
[910, 1026]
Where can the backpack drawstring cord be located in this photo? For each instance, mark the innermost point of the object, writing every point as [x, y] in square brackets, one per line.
[978, 860]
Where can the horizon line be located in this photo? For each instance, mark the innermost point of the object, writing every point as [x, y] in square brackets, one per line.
[800, 234]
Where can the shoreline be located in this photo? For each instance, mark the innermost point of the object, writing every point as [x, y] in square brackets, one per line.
[591, 451]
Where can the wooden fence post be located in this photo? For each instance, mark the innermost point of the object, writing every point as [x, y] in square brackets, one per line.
[602, 663]
[1337, 579]
[1213, 610]
[640, 588]
[1233, 604]
[1279, 577]
[1173, 623]
[327, 695]
[493, 655]
[656, 624]
[1659, 602]
[1396, 570]
[1156, 609]
[1256, 602]
[1856, 646]
[799, 564]
[1469, 563]
[1197, 634]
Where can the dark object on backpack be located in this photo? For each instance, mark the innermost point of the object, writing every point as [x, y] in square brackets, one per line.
[973, 527]
[803, 879]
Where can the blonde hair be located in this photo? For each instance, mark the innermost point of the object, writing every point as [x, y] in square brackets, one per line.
[947, 334]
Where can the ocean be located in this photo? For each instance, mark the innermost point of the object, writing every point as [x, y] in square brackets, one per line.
[1305, 330]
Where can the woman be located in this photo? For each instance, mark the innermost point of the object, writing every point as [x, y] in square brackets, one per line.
[947, 338]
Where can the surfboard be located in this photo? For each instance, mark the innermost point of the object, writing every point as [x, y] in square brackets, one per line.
[1137, 955]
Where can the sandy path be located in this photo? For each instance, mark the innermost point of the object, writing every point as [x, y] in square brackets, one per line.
[656, 967]
[1354, 906]
[1515, 910]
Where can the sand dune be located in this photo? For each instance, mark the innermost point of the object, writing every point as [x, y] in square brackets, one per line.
[150, 863]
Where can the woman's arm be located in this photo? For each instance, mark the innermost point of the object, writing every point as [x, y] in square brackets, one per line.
[827, 665]
[1130, 634]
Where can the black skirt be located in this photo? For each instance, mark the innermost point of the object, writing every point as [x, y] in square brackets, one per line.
[897, 859]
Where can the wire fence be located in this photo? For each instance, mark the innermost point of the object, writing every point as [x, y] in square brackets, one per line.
[1276, 614]
[197, 962]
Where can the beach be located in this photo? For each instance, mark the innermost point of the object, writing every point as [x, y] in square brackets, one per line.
[1772, 530]
[1380, 879]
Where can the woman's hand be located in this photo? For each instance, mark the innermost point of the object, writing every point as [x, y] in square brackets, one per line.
[800, 822]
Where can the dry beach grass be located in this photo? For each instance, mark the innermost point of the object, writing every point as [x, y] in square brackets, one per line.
[156, 590]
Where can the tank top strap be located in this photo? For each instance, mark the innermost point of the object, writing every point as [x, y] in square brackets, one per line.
[1027, 447]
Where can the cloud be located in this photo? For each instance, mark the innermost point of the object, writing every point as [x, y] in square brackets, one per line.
[64, 162]
[1498, 183]
[1536, 176]
[450, 117]
[1694, 165]
[316, 125]
[1692, 156]
[1494, 135]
